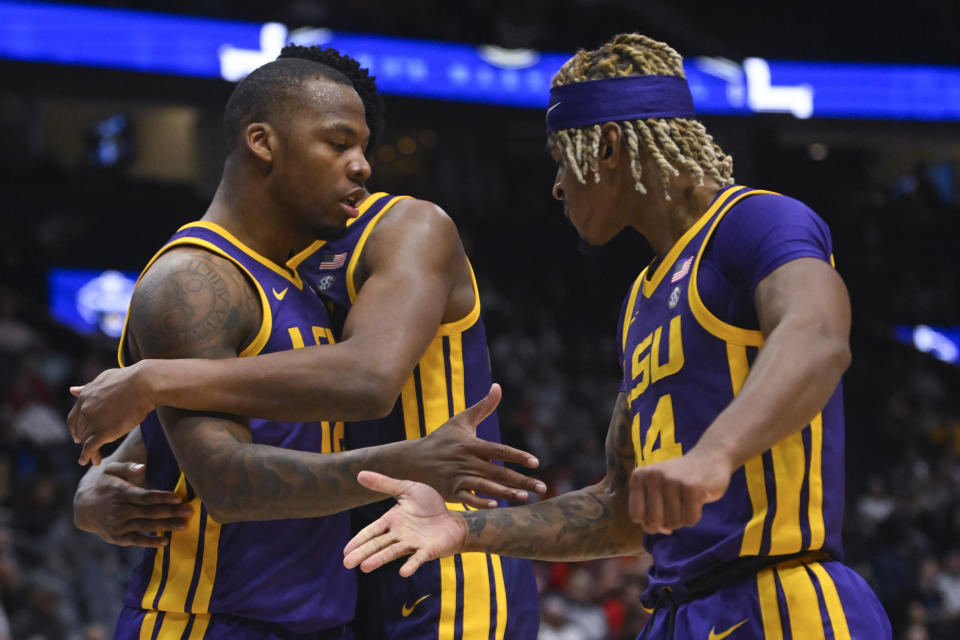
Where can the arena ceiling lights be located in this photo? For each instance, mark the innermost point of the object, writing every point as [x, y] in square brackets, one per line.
[204, 47]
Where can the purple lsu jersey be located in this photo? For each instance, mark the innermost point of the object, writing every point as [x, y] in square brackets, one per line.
[287, 573]
[682, 366]
[464, 597]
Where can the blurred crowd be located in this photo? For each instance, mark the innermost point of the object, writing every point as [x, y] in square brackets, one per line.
[550, 315]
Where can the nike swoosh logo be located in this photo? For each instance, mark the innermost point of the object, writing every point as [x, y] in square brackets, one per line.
[406, 611]
[553, 107]
[279, 296]
[720, 636]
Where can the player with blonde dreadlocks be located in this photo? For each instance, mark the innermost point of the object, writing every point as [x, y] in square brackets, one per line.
[725, 449]
[675, 143]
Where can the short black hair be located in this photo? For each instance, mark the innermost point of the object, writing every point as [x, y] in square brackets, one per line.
[363, 82]
[269, 92]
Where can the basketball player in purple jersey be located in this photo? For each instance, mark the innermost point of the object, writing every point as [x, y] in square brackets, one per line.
[259, 555]
[399, 253]
[725, 449]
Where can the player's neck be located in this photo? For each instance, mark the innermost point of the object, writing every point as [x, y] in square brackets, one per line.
[665, 221]
[254, 220]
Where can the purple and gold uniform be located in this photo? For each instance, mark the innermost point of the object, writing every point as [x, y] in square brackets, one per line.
[471, 596]
[763, 562]
[270, 579]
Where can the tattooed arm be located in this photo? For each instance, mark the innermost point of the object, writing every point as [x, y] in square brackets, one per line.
[580, 525]
[191, 303]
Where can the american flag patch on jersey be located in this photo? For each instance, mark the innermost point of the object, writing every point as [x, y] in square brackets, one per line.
[332, 261]
[682, 270]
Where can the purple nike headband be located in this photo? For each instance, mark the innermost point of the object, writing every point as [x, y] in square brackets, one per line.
[580, 104]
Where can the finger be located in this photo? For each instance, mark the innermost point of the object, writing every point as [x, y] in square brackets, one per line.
[497, 451]
[653, 498]
[692, 509]
[156, 511]
[636, 504]
[141, 540]
[492, 489]
[413, 563]
[478, 412]
[144, 497]
[502, 475]
[381, 483]
[95, 458]
[76, 390]
[91, 449]
[73, 419]
[155, 524]
[473, 500]
[125, 470]
[388, 555]
[369, 549]
[372, 530]
[672, 505]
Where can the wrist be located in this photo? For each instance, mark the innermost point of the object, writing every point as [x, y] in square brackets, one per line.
[146, 380]
[466, 541]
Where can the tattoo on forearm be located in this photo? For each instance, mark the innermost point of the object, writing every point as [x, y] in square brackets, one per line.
[243, 481]
[584, 524]
[619, 448]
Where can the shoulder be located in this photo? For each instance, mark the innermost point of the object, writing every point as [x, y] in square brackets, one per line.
[414, 223]
[190, 302]
[768, 210]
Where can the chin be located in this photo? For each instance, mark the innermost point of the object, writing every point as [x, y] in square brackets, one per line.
[329, 231]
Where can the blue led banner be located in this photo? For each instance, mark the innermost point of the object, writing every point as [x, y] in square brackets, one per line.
[181, 45]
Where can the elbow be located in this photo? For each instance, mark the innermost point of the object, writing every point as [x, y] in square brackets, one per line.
[218, 508]
[378, 393]
[839, 356]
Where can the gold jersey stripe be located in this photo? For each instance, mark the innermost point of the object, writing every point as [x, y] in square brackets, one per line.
[649, 286]
[183, 549]
[705, 317]
[433, 386]
[410, 406]
[838, 619]
[769, 605]
[803, 606]
[266, 322]
[458, 391]
[753, 469]
[628, 312]
[153, 586]
[448, 590]
[173, 625]
[148, 624]
[208, 568]
[815, 484]
[788, 469]
[290, 275]
[358, 249]
[476, 596]
[200, 623]
[501, 593]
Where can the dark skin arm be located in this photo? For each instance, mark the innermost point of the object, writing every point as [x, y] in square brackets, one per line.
[112, 503]
[580, 525]
[804, 315]
[414, 275]
[191, 302]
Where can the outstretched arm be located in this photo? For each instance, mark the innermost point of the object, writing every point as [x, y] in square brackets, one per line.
[580, 525]
[173, 314]
[411, 264]
[804, 314]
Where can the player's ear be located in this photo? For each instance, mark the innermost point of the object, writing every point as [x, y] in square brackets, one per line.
[261, 140]
[611, 139]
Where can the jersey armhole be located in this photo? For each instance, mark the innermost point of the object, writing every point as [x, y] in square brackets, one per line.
[266, 320]
[715, 326]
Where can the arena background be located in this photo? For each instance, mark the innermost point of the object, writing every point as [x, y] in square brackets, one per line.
[99, 166]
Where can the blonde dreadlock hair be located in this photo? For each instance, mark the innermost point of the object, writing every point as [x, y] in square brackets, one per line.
[673, 143]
